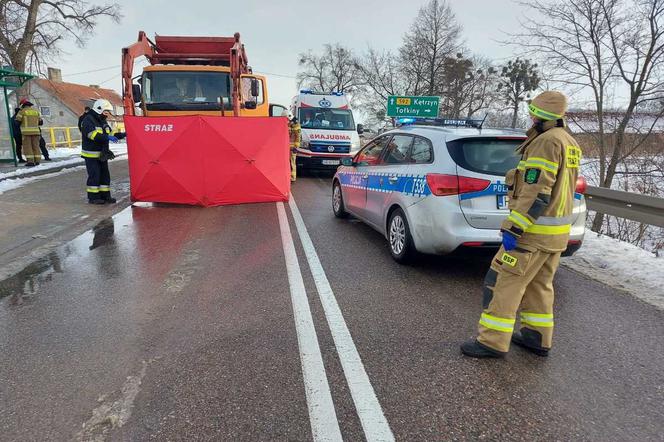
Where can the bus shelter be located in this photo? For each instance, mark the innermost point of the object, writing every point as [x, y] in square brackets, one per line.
[9, 79]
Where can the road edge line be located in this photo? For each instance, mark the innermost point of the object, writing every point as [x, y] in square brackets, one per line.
[322, 415]
[372, 418]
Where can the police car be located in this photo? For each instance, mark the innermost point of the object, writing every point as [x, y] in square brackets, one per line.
[433, 186]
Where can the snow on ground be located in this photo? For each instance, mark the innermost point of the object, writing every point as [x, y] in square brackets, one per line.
[12, 184]
[17, 178]
[63, 156]
[621, 265]
[613, 262]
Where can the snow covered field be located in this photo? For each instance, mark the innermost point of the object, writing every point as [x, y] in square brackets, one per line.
[621, 265]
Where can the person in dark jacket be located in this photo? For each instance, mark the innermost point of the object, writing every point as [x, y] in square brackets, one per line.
[18, 137]
[96, 134]
[42, 144]
[82, 117]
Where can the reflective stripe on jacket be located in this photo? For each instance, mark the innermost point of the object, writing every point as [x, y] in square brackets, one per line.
[29, 119]
[541, 189]
[94, 133]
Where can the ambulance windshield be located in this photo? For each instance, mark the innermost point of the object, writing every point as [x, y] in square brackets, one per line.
[186, 90]
[325, 118]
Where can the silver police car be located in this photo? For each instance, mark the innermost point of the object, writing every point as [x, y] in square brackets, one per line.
[433, 187]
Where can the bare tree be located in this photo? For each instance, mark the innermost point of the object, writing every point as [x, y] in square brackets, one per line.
[466, 86]
[433, 36]
[32, 31]
[382, 76]
[517, 79]
[598, 45]
[335, 69]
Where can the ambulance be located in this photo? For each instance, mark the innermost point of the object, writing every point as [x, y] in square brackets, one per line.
[329, 132]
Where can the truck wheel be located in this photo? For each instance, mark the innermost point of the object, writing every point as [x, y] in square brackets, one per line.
[399, 238]
[338, 206]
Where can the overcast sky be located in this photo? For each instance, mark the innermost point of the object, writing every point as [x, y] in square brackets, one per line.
[276, 31]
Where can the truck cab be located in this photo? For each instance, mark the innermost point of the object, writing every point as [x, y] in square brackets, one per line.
[199, 90]
[329, 132]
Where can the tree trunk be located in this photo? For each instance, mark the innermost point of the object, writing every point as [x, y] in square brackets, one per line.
[515, 114]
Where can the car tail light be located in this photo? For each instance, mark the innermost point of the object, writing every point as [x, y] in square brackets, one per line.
[442, 185]
[581, 185]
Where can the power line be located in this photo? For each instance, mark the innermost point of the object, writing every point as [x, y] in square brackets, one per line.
[95, 70]
[276, 75]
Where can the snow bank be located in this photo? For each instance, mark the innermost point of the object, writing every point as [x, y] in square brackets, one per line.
[15, 183]
[63, 156]
[15, 179]
[621, 265]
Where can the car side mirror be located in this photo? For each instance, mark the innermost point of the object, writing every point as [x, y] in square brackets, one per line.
[360, 129]
[255, 88]
[136, 93]
[346, 161]
[250, 105]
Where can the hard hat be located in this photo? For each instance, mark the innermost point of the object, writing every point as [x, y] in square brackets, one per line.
[102, 105]
[549, 105]
[25, 102]
[290, 115]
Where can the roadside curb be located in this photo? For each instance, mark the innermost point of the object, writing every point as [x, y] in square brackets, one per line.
[57, 169]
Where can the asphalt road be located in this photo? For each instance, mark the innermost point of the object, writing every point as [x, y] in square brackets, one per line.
[183, 323]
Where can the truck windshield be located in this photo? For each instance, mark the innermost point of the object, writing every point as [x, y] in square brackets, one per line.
[330, 119]
[186, 90]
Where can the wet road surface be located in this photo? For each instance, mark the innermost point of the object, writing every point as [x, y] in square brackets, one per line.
[183, 323]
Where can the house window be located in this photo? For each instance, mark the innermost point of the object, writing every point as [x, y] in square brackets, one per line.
[45, 111]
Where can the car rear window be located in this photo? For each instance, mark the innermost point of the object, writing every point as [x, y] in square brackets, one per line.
[493, 156]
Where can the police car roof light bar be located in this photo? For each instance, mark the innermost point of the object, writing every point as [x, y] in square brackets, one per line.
[441, 122]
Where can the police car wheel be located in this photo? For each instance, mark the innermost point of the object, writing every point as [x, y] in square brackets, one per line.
[400, 240]
[338, 201]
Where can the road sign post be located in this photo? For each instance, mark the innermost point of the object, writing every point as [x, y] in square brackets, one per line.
[407, 106]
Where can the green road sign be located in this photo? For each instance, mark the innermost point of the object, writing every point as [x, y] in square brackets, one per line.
[398, 106]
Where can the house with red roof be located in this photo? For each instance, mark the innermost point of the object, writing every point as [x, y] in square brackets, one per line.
[61, 103]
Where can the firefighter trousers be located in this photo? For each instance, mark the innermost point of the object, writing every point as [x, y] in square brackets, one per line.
[31, 148]
[519, 278]
[293, 166]
[99, 179]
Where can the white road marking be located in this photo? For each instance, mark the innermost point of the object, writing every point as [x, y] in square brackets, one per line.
[322, 416]
[374, 424]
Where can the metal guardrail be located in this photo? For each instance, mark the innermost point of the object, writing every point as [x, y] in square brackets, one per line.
[642, 208]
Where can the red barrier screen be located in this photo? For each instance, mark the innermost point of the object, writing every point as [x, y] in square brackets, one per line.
[208, 161]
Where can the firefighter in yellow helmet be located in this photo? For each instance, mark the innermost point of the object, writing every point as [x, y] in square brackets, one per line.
[541, 197]
[295, 136]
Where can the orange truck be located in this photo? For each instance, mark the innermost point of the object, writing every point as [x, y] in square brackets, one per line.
[198, 126]
[193, 76]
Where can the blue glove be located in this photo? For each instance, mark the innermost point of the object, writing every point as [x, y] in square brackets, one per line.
[113, 138]
[509, 241]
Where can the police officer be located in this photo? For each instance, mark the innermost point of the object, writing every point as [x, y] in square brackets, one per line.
[30, 120]
[541, 198]
[295, 136]
[96, 134]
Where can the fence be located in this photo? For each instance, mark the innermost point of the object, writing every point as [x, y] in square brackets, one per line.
[68, 136]
[61, 136]
[642, 208]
